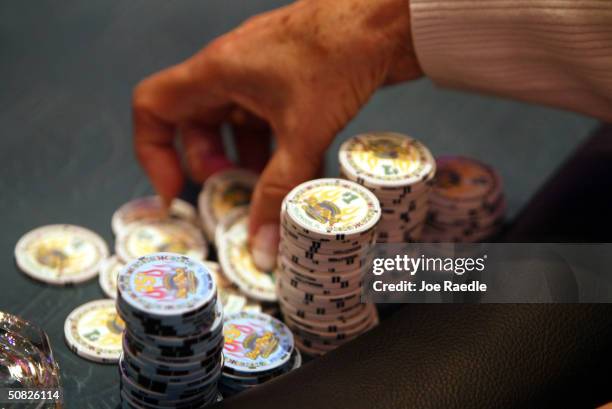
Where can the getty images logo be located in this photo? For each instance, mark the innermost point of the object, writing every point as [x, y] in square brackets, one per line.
[412, 265]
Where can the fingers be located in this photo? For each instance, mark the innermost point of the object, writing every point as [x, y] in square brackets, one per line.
[155, 151]
[154, 129]
[252, 137]
[286, 169]
[204, 152]
[607, 406]
[161, 103]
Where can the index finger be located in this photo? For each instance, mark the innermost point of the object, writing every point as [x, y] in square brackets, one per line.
[160, 104]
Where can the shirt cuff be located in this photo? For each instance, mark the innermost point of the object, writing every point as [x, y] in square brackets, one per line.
[556, 52]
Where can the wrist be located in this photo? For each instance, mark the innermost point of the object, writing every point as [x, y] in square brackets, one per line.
[365, 32]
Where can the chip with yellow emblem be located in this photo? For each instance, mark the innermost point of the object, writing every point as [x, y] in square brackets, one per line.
[386, 159]
[93, 331]
[61, 254]
[255, 342]
[236, 261]
[257, 349]
[175, 236]
[331, 209]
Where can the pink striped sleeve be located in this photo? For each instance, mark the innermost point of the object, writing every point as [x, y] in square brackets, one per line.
[554, 52]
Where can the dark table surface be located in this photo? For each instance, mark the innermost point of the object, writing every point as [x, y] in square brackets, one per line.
[66, 73]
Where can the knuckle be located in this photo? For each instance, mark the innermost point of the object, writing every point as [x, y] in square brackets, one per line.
[213, 60]
[219, 50]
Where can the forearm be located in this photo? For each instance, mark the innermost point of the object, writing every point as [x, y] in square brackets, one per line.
[554, 52]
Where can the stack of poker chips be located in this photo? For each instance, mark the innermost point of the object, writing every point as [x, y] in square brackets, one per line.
[399, 170]
[467, 203]
[173, 341]
[328, 228]
[257, 348]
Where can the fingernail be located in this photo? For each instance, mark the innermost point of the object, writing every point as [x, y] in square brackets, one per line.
[265, 247]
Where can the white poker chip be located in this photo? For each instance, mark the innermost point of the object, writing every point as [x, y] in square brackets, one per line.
[108, 275]
[386, 159]
[256, 342]
[149, 208]
[236, 260]
[61, 254]
[222, 192]
[175, 236]
[166, 285]
[93, 331]
[332, 208]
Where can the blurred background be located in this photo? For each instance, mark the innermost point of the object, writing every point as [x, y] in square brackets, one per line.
[67, 70]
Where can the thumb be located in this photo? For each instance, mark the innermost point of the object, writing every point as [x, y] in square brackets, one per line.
[285, 170]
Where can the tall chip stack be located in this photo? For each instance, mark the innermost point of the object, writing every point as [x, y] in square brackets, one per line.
[173, 341]
[327, 229]
[467, 202]
[399, 170]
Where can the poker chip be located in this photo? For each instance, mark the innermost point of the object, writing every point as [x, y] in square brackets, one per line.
[257, 348]
[165, 285]
[150, 208]
[93, 331]
[175, 236]
[61, 254]
[108, 276]
[236, 261]
[173, 342]
[467, 203]
[222, 192]
[399, 170]
[328, 227]
[331, 209]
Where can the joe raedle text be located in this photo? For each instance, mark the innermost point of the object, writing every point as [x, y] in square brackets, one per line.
[425, 287]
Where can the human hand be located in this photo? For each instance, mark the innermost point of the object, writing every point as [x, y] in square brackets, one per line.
[300, 72]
